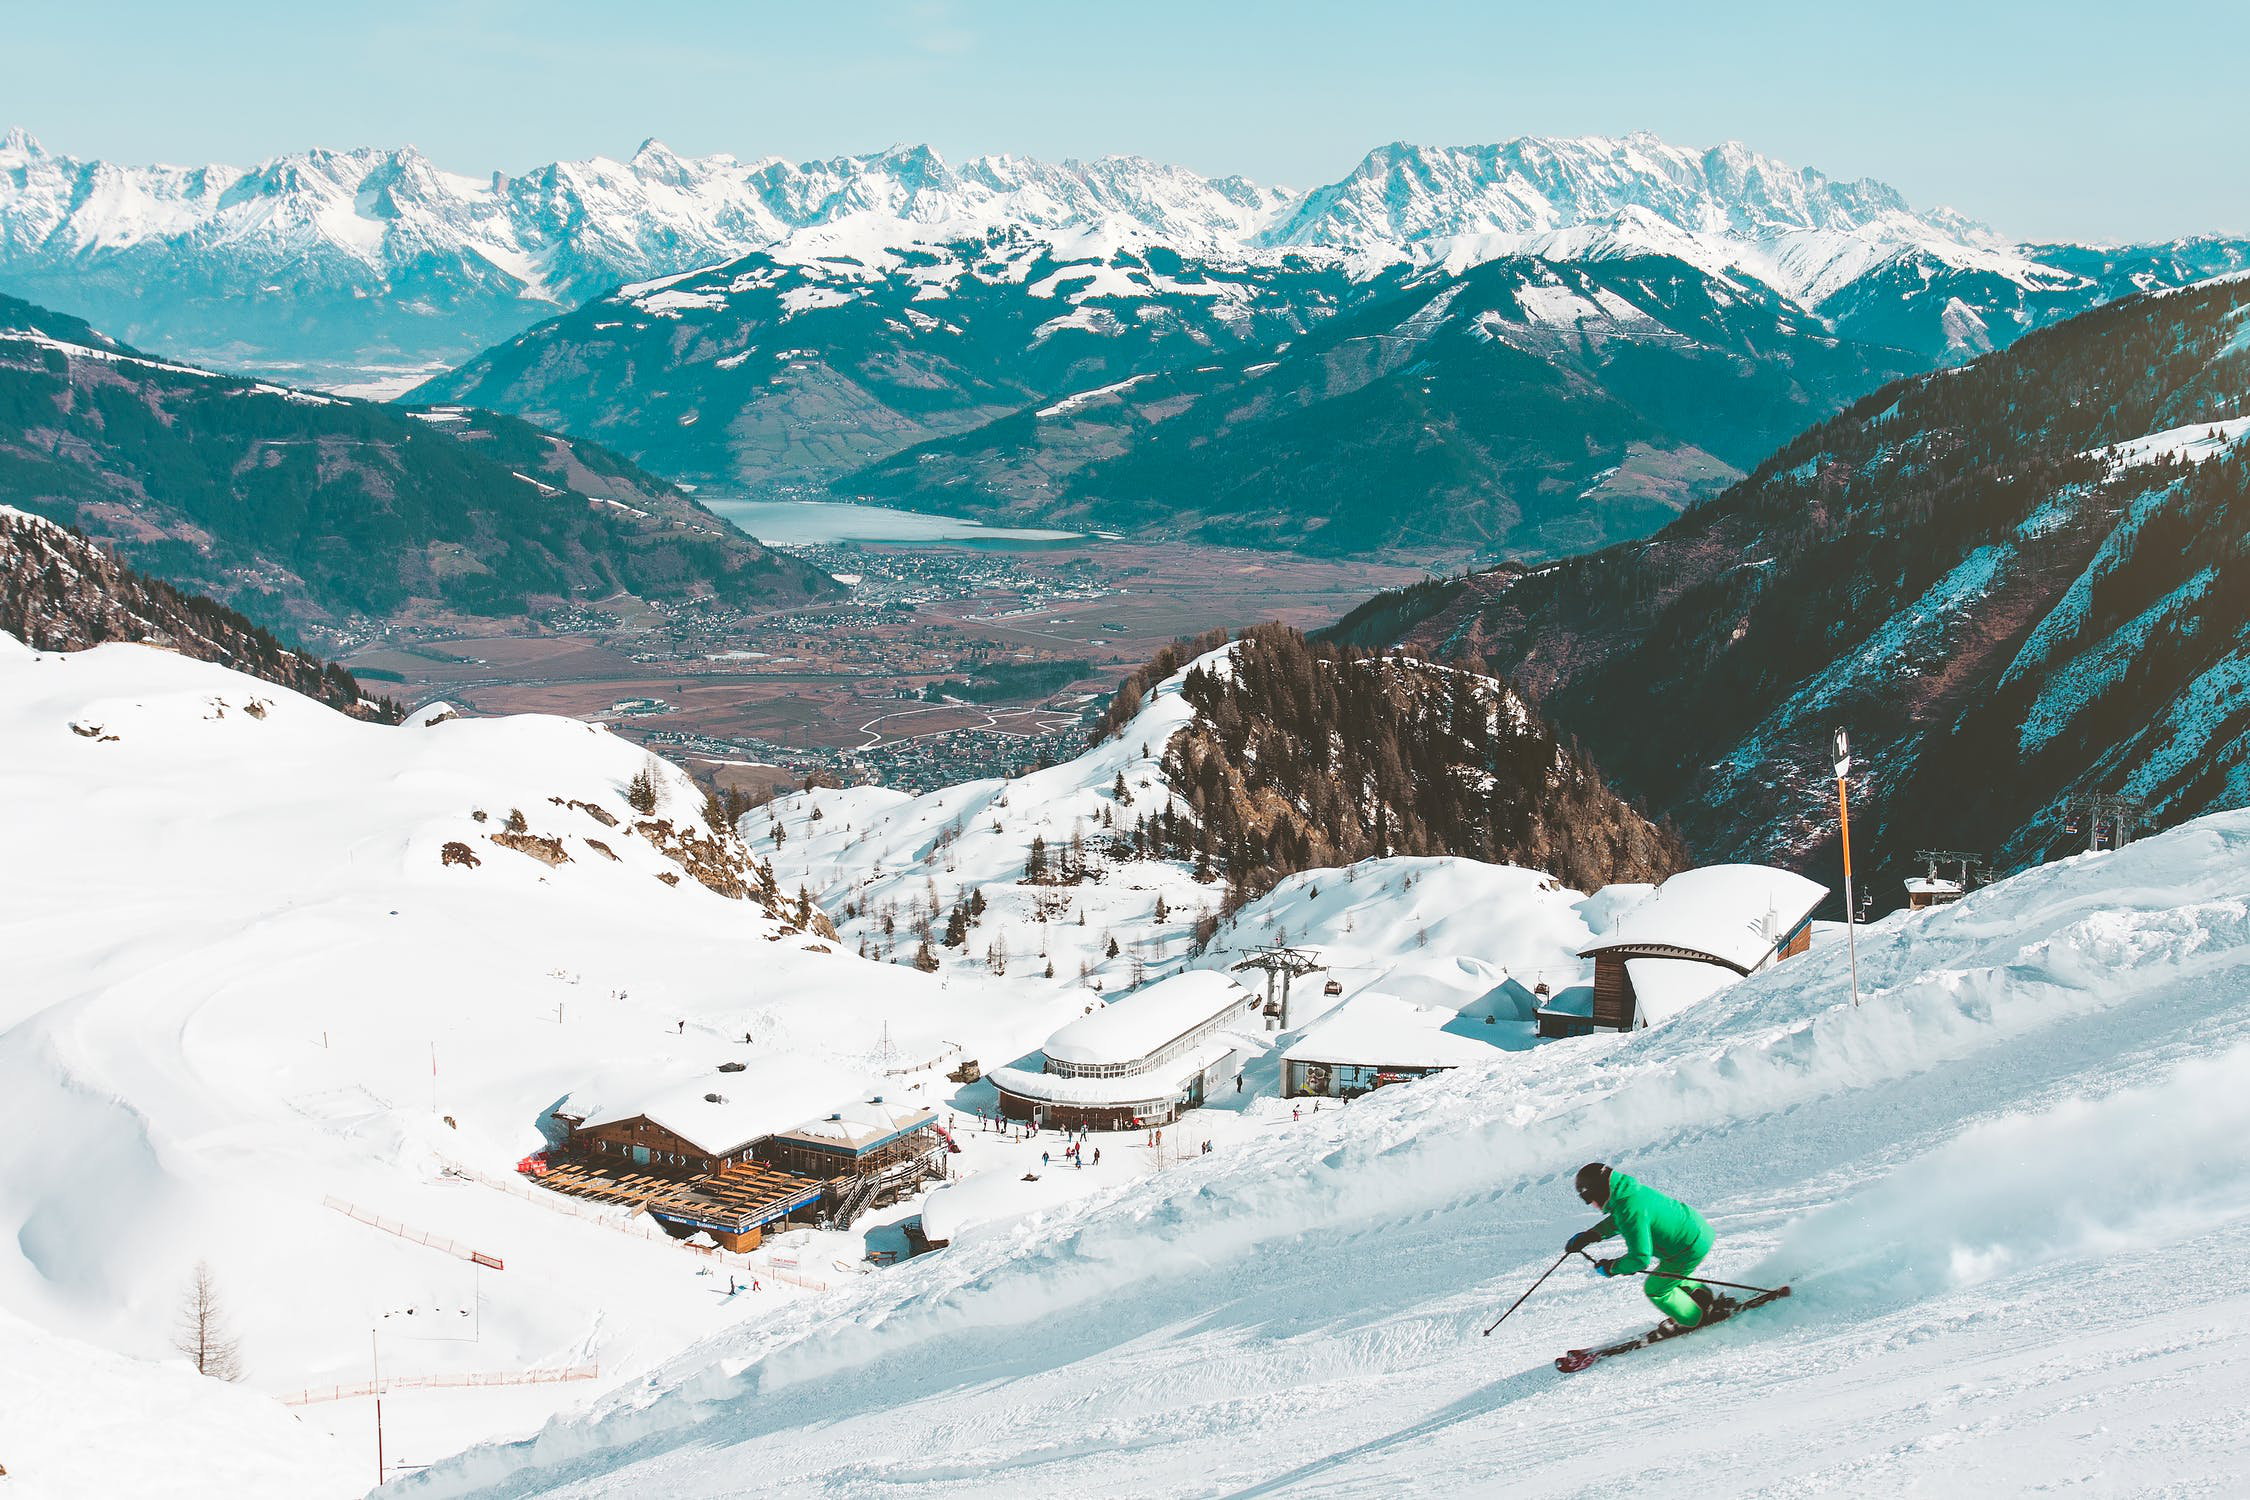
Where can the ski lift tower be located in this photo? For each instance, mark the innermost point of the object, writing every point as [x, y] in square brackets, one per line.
[1934, 888]
[2097, 814]
[1282, 964]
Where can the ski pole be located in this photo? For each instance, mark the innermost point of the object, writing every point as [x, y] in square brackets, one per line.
[1543, 1275]
[1732, 1286]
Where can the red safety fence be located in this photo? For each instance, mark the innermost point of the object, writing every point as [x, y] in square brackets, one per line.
[312, 1393]
[418, 1236]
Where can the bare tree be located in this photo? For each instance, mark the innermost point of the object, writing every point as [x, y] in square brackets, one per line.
[202, 1333]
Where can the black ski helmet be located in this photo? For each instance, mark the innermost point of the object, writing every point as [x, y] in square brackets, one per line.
[1593, 1184]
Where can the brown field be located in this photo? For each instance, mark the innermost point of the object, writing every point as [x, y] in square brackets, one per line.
[829, 671]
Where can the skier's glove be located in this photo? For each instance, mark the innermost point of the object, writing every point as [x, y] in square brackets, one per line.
[1606, 1267]
[1578, 1242]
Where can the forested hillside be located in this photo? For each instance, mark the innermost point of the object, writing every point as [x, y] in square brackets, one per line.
[1303, 755]
[2023, 579]
[310, 509]
[1521, 406]
[60, 592]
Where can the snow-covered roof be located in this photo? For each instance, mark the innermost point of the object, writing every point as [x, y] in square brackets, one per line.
[1577, 1000]
[1663, 987]
[1729, 914]
[1133, 1026]
[1922, 885]
[1158, 1085]
[862, 1124]
[1379, 1030]
[771, 1094]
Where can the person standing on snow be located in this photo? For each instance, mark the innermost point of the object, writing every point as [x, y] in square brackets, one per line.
[1658, 1231]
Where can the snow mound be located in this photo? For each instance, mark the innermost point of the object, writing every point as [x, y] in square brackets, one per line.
[272, 974]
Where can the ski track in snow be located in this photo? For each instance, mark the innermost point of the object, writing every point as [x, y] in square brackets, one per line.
[2010, 1189]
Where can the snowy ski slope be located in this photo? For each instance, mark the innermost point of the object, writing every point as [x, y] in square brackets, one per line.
[238, 978]
[2012, 1189]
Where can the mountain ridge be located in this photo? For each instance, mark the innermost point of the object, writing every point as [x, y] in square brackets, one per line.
[384, 240]
[318, 512]
[2016, 582]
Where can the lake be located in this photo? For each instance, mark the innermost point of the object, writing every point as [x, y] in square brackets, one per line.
[803, 522]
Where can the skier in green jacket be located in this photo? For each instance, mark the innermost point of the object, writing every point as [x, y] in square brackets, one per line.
[1658, 1231]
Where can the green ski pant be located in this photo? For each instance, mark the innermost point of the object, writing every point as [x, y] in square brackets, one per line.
[1667, 1286]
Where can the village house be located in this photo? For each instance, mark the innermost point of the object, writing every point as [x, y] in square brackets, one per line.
[1691, 937]
[1374, 1039]
[1139, 1060]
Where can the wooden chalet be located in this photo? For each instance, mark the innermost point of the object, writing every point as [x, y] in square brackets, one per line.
[743, 1148]
[1692, 936]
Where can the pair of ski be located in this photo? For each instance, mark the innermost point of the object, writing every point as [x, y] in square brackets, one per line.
[1722, 1308]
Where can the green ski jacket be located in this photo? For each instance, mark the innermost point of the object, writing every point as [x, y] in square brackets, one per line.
[1656, 1228]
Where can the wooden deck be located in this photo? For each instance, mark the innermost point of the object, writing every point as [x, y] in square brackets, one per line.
[746, 1194]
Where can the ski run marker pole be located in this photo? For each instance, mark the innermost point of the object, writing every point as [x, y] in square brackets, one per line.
[1844, 825]
[1543, 1275]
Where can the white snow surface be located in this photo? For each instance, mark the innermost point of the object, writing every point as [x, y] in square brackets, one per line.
[2011, 1189]
[237, 979]
[2191, 444]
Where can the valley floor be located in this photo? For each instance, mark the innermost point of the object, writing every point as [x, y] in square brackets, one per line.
[820, 687]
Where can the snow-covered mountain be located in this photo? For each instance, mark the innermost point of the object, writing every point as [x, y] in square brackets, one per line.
[375, 265]
[789, 367]
[1407, 195]
[2038, 1104]
[1522, 406]
[366, 258]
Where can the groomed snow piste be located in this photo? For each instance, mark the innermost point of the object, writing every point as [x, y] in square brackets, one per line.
[2011, 1188]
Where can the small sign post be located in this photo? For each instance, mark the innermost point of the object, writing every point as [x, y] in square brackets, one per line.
[1844, 824]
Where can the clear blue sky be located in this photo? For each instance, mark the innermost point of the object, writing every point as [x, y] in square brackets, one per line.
[2049, 120]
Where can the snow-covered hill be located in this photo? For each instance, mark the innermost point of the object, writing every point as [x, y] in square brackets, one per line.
[60, 592]
[1117, 864]
[259, 956]
[2010, 1188]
